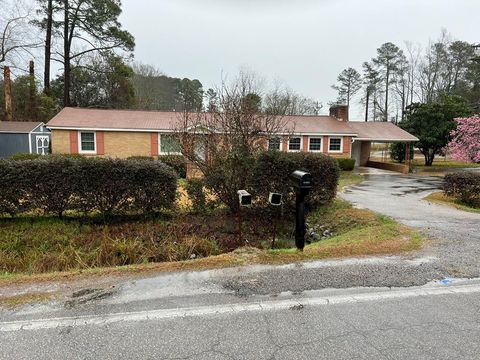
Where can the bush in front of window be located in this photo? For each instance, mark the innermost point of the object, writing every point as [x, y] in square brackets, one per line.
[346, 164]
[176, 162]
[55, 185]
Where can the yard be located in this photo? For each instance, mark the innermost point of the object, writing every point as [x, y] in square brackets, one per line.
[181, 240]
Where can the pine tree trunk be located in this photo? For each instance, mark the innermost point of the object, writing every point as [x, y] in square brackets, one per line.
[48, 48]
[367, 103]
[66, 54]
[387, 80]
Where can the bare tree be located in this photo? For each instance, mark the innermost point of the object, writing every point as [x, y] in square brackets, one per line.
[223, 143]
[282, 100]
[17, 38]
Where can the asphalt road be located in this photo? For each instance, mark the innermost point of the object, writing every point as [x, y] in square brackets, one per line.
[434, 322]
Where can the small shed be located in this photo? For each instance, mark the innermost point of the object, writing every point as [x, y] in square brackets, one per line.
[23, 137]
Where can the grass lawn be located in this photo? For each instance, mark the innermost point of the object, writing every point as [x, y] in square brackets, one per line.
[441, 164]
[348, 178]
[440, 198]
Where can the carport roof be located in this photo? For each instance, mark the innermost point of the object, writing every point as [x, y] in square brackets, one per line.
[18, 127]
[380, 132]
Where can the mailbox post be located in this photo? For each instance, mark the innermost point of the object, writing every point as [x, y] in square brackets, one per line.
[303, 182]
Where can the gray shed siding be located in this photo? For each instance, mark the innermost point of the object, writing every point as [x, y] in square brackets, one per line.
[15, 143]
[11, 144]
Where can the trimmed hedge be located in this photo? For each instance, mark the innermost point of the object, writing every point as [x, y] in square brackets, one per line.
[464, 186]
[55, 185]
[177, 163]
[346, 164]
[25, 156]
[273, 170]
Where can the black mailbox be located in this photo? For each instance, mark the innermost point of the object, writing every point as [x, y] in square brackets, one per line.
[302, 180]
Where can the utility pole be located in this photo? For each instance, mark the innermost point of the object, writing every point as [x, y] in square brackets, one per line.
[8, 94]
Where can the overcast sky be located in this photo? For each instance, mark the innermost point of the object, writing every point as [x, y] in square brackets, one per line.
[304, 43]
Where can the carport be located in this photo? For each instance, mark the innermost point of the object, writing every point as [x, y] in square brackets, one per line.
[379, 132]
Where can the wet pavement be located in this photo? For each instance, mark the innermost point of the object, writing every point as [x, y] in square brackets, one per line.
[454, 234]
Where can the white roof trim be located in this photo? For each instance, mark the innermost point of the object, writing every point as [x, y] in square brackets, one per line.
[108, 129]
[386, 140]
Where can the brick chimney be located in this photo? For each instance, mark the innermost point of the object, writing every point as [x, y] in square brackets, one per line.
[340, 112]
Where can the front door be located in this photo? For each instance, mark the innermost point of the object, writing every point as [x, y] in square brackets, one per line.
[43, 143]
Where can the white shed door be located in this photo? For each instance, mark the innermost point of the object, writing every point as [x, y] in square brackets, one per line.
[42, 144]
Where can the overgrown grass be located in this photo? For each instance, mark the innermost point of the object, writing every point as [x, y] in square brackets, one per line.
[36, 245]
[440, 198]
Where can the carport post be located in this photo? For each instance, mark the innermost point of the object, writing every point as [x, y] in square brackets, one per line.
[407, 155]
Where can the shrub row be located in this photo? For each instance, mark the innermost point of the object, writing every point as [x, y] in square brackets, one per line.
[57, 184]
[271, 172]
[464, 186]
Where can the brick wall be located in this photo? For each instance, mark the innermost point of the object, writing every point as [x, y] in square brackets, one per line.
[126, 144]
[113, 144]
[61, 142]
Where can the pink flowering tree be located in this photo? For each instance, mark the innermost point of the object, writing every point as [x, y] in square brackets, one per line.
[465, 145]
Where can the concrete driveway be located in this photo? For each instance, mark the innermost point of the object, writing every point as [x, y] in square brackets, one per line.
[454, 234]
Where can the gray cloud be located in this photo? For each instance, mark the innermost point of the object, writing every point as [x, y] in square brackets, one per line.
[305, 43]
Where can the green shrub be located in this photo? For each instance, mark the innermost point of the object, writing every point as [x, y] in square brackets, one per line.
[194, 188]
[346, 164]
[464, 186]
[143, 158]
[273, 170]
[177, 163]
[14, 186]
[58, 184]
[25, 156]
[397, 152]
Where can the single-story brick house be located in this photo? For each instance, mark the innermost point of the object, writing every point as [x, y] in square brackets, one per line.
[23, 137]
[125, 133]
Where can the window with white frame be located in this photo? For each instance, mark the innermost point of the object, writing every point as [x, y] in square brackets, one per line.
[295, 144]
[169, 144]
[275, 144]
[335, 144]
[315, 144]
[87, 142]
